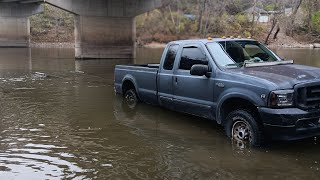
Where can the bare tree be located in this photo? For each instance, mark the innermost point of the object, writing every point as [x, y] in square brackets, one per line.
[274, 23]
[254, 12]
[290, 22]
[277, 32]
[311, 6]
[202, 5]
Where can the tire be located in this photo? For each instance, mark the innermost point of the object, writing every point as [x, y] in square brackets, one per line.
[242, 126]
[131, 98]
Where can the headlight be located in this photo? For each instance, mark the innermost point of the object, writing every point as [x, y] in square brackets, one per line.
[281, 98]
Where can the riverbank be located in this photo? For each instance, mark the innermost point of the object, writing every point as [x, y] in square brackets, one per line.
[282, 42]
[52, 45]
[272, 45]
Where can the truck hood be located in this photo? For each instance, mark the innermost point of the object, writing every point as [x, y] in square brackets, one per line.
[282, 76]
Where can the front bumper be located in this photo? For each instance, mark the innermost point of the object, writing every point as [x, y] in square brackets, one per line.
[290, 123]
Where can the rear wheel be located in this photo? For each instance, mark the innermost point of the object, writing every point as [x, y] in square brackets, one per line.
[131, 98]
[243, 128]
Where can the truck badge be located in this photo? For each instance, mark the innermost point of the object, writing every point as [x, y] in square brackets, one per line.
[220, 85]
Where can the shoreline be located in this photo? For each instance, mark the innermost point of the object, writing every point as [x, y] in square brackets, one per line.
[156, 45]
[52, 45]
[289, 46]
[293, 46]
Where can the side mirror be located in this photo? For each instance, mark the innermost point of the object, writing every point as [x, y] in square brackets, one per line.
[200, 70]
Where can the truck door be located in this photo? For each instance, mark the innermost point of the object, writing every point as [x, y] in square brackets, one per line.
[165, 76]
[193, 94]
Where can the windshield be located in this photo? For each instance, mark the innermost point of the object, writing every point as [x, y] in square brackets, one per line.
[238, 53]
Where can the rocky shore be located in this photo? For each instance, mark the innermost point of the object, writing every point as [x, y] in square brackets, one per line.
[52, 45]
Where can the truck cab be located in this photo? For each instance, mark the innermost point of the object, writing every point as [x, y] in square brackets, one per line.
[178, 88]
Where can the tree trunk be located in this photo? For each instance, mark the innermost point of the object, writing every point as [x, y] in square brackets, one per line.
[208, 14]
[200, 19]
[253, 16]
[290, 23]
[178, 18]
[254, 12]
[172, 19]
[200, 15]
[274, 22]
[276, 34]
[310, 11]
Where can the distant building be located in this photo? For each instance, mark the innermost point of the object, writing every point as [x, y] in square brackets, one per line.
[288, 11]
[260, 15]
[190, 17]
[263, 16]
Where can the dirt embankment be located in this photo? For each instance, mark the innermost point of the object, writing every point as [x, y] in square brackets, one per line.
[282, 41]
[290, 42]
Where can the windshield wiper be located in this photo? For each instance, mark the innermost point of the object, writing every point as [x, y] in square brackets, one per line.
[240, 64]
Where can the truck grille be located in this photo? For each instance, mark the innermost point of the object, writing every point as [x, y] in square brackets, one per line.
[309, 97]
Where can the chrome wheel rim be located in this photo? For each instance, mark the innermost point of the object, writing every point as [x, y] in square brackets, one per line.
[131, 100]
[241, 131]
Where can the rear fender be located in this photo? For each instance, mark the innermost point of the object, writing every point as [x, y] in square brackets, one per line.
[130, 78]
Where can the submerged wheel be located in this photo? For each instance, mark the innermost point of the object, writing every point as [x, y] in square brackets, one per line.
[243, 127]
[131, 98]
[241, 131]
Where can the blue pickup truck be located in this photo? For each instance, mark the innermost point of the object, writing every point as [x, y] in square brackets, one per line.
[239, 83]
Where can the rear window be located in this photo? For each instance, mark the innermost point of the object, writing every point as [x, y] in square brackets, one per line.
[170, 57]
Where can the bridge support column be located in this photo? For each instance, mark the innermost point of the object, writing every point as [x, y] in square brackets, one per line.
[104, 37]
[14, 32]
[14, 23]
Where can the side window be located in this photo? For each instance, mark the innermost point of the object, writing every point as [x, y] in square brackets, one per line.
[191, 56]
[170, 57]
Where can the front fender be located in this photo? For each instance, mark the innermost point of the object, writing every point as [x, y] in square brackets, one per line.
[245, 94]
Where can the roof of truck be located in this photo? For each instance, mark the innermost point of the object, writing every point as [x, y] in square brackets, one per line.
[205, 41]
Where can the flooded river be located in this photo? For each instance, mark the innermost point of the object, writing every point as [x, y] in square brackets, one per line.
[60, 119]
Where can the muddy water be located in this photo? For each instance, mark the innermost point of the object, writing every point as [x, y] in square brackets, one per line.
[60, 119]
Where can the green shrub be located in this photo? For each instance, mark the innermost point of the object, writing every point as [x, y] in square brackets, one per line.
[53, 25]
[270, 7]
[316, 21]
[242, 19]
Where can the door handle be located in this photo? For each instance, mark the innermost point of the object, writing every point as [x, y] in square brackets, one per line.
[176, 80]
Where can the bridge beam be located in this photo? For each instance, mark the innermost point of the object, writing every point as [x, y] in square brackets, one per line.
[107, 8]
[15, 25]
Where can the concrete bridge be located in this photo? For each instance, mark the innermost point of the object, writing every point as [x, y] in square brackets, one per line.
[103, 28]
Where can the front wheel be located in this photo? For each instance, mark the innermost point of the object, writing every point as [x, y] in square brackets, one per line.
[243, 127]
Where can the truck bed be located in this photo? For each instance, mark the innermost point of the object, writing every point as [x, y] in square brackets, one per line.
[144, 77]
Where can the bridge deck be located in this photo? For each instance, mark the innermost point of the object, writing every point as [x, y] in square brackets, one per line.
[22, 1]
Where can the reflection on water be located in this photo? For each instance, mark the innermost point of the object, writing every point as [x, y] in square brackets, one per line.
[301, 56]
[60, 118]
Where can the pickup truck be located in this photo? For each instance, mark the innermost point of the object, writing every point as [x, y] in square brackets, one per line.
[239, 83]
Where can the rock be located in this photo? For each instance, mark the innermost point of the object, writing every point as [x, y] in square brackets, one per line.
[316, 45]
[306, 46]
